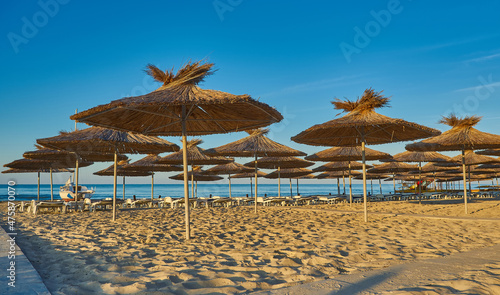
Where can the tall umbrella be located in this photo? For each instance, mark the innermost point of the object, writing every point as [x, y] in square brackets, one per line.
[462, 136]
[278, 163]
[149, 163]
[109, 141]
[289, 173]
[257, 144]
[419, 157]
[180, 108]
[229, 168]
[361, 126]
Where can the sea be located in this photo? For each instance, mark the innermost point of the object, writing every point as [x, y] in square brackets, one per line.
[27, 192]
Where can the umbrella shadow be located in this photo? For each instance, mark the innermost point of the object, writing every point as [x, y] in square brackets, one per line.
[364, 284]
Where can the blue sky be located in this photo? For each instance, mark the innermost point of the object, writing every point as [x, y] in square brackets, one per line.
[430, 57]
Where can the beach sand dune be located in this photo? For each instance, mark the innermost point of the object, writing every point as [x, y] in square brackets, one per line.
[233, 250]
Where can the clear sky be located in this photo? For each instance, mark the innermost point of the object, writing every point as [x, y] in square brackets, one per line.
[431, 57]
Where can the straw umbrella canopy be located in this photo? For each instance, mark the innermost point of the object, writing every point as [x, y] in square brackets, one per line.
[256, 144]
[149, 163]
[278, 163]
[38, 171]
[347, 153]
[181, 108]
[66, 156]
[489, 152]
[229, 168]
[108, 141]
[462, 137]
[249, 175]
[361, 126]
[419, 157]
[289, 173]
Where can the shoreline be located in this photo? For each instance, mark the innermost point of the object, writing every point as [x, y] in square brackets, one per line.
[234, 251]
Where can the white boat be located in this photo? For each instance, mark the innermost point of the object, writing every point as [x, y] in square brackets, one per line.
[67, 192]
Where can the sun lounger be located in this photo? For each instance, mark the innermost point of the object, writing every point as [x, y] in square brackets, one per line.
[36, 207]
[178, 202]
[104, 204]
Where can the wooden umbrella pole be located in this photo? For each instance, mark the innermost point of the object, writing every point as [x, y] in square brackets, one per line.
[343, 181]
[114, 185]
[338, 185]
[38, 188]
[185, 170]
[192, 181]
[394, 182]
[297, 187]
[350, 185]
[229, 178]
[465, 180]
[371, 186]
[380, 185]
[196, 189]
[123, 187]
[251, 188]
[152, 185]
[76, 181]
[279, 181]
[419, 183]
[256, 183]
[468, 172]
[291, 191]
[364, 178]
[51, 186]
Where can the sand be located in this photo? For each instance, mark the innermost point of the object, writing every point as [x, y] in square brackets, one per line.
[235, 251]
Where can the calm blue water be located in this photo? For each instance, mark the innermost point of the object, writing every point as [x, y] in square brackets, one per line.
[29, 191]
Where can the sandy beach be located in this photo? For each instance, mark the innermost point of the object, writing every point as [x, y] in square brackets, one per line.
[234, 251]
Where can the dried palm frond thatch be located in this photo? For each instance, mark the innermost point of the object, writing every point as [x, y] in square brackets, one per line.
[347, 153]
[31, 164]
[280, 162]
[65, 156]
[462, 136]
[229, 168]
[149, 163]
[408, 156]
[340, 166]
[255, 144]
[289, 173]
[369, 101]
[195, 156]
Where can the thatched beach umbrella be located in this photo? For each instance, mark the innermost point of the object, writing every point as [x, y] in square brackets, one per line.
[249, 175]
[228, 169]
[257, 144]
[419, 157]
[279, 163]
[289, 173]
[109, 141]
[38, 171]
[149, 163]
[180, 108]
[120, 171]
[462, 136]
[489, 152]
[361, 126]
